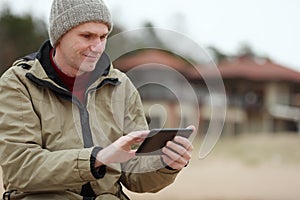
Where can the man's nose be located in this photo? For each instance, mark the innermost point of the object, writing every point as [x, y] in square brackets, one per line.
[97, 45]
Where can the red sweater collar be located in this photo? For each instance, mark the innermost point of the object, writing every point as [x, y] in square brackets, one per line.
[77, 85]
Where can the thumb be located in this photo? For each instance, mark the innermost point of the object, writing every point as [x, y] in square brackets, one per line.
[131, 153]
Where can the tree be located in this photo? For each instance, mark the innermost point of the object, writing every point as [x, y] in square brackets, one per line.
[19, 35]
[217, 54]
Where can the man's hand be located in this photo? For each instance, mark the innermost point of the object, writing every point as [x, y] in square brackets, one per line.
[177, 153]
[120, 150]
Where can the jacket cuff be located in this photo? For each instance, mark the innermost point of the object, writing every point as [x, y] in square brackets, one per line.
[167, 167]
[83, 164]
[98, 172]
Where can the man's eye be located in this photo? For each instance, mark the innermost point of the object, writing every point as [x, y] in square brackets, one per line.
[86, 36]
[103, 37]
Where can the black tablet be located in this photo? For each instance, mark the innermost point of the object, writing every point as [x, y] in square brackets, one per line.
[157, 139]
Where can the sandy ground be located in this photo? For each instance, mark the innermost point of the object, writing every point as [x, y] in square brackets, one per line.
[223, 180]
[219, 177]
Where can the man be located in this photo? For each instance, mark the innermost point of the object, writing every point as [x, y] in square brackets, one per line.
[68, 119]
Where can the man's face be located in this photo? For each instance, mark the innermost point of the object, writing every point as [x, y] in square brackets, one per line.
[79, 49]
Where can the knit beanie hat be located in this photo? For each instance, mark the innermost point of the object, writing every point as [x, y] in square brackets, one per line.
[67, 14]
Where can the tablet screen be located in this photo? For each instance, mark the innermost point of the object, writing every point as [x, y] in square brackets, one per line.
[157, 139]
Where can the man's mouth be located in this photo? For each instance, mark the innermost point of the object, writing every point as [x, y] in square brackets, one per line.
[91, 56]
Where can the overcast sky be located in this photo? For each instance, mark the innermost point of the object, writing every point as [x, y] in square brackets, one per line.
[270, 27]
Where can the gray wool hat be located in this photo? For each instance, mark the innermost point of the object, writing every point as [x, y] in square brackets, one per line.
[67, 14]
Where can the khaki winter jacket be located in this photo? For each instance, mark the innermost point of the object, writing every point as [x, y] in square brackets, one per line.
[47, 136]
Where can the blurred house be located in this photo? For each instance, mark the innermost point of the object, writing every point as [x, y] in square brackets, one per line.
[160, 78]
[261, 96]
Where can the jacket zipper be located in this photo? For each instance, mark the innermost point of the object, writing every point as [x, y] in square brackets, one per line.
[84, 114]
[86, 129]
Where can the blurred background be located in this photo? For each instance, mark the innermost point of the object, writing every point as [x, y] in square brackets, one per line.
[175, 52]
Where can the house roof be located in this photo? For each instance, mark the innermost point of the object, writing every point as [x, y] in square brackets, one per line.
[243, 67]
[153, 56]
[251, 68]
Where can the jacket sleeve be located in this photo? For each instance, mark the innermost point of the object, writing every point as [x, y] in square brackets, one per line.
[146, 174]
[26, 165]
[143, 174]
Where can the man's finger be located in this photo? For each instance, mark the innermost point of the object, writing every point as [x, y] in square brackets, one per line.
[134, 137]
[138, 134]
[183, 142]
